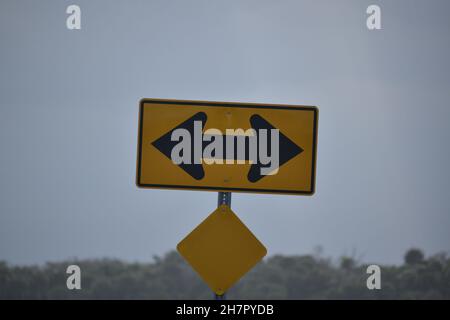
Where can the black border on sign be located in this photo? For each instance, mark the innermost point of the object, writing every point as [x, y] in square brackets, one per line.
[228, 105]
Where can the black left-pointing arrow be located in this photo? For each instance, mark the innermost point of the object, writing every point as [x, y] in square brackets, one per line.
[165, 145]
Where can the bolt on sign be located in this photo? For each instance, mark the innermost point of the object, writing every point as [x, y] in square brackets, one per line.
[221, 249]
[228, 147]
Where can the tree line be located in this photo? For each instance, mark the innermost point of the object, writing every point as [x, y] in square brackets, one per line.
[277, 277]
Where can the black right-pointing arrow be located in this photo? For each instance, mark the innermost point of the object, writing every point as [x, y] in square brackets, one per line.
[287, 148]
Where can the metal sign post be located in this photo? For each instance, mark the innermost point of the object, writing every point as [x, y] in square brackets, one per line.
[223, 198]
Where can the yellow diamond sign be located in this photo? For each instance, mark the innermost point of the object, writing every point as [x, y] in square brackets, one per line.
[221, 249]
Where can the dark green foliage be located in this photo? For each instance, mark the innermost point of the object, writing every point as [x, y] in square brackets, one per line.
[278, 277]
[414, 256]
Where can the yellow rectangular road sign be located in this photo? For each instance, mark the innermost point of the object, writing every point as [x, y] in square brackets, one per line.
[221, 249]
[238, 129]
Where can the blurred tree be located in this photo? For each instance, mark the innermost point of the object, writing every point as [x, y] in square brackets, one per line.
[414, 256]
[347, 263]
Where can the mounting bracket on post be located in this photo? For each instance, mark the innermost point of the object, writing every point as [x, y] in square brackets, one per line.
[224, 198]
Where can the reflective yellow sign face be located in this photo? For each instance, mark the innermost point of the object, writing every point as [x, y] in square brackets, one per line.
[221, 249]
[230, 147]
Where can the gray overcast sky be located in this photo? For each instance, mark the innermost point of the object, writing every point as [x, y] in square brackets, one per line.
[69, 115]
